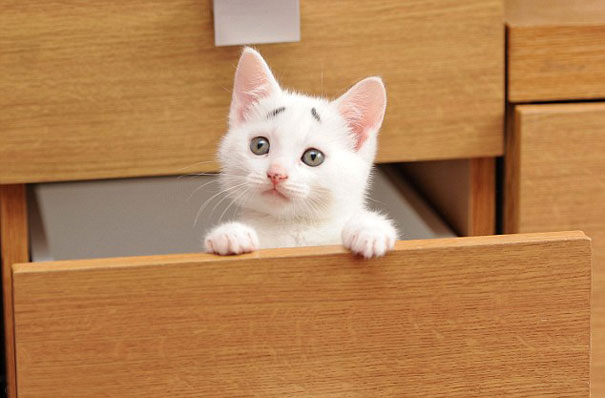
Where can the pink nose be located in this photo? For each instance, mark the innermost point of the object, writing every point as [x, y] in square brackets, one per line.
[276, 174]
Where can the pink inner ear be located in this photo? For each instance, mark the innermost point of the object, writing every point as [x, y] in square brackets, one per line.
[253, 81]
[251, 86]
[363, 108]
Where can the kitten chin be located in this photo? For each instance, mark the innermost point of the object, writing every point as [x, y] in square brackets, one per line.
[299, 166]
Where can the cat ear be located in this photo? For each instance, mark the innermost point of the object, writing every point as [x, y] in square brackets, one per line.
[253, 81]
[363, 108]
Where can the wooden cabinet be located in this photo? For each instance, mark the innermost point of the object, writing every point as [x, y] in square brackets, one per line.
[137, 88]
[556, 180]
[487, 316]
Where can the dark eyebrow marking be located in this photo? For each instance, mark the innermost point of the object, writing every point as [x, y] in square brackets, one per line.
[315, 114]
[275, 112]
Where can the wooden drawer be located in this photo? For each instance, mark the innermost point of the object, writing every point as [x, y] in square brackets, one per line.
[555, 178]
[155, 216]
[131, 88]
[490, 316]
[556, 50]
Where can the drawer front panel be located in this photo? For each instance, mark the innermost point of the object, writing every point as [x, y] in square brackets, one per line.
[491, 316]
[556, 180]
[556, 50]
[132, 88]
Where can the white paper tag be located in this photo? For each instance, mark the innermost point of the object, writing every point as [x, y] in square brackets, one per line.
[238, 22]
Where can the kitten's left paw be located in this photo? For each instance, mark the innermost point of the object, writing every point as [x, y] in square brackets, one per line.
[370, 235]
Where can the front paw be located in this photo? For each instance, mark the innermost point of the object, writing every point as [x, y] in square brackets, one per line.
[370, 235]
[231, 238]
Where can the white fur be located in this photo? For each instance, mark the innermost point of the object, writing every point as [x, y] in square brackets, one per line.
[325, 204]
[232, 238]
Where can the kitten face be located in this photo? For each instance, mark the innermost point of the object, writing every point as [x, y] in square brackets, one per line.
[292, 156]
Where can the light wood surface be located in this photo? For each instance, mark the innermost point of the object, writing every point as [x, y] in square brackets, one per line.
[483, 196]
[556, 49]
[554, 12]
[557, 174]
[14, 249]
[118, 89]
[462, 191]
[493, 316]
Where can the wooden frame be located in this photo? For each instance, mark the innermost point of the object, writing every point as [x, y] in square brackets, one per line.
[15, 249]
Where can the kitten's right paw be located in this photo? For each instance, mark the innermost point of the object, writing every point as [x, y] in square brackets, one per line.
[369, 235]
[231, 238]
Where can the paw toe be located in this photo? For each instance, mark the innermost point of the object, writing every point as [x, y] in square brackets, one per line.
[231, 239]
[368, 244]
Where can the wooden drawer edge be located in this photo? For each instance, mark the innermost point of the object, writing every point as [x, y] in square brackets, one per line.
[292, 253]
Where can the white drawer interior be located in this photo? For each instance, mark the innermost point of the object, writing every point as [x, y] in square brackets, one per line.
[146, 216]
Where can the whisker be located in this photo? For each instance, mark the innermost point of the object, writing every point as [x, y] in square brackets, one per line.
[221, 201]
[198, 175]
[374, 200]
[207, 202]
[222, 171]
[196, 164]
[245, 191]
[318, 205]
[312, 209]
[209, 174]
[295, 191]
[200, 187]
[216, 180]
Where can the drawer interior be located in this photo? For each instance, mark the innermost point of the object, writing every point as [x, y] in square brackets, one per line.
[162, 215]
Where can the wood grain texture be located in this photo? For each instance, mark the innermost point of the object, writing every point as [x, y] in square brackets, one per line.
[462, 191]
[554, 12]
[483, 196]
[556, 49]
[132, 88]
[512, 173]
[493, 316]
[558, 165]
[14, 248]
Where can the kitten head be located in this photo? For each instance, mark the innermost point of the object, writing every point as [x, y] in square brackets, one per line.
[293, 156]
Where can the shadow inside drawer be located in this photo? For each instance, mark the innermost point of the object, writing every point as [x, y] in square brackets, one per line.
[163, 215]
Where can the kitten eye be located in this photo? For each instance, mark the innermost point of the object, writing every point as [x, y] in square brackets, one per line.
[259, 145]
[313, 157]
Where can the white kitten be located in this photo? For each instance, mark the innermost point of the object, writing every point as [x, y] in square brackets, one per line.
[299, 166]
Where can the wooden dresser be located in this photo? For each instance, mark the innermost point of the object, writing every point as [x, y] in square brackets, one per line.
[120, 89]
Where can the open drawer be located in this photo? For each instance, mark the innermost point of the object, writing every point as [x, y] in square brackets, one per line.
[169, 215]
[456, 317]
[114, 201]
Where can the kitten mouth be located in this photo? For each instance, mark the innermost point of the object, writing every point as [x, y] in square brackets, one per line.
[275, 193]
